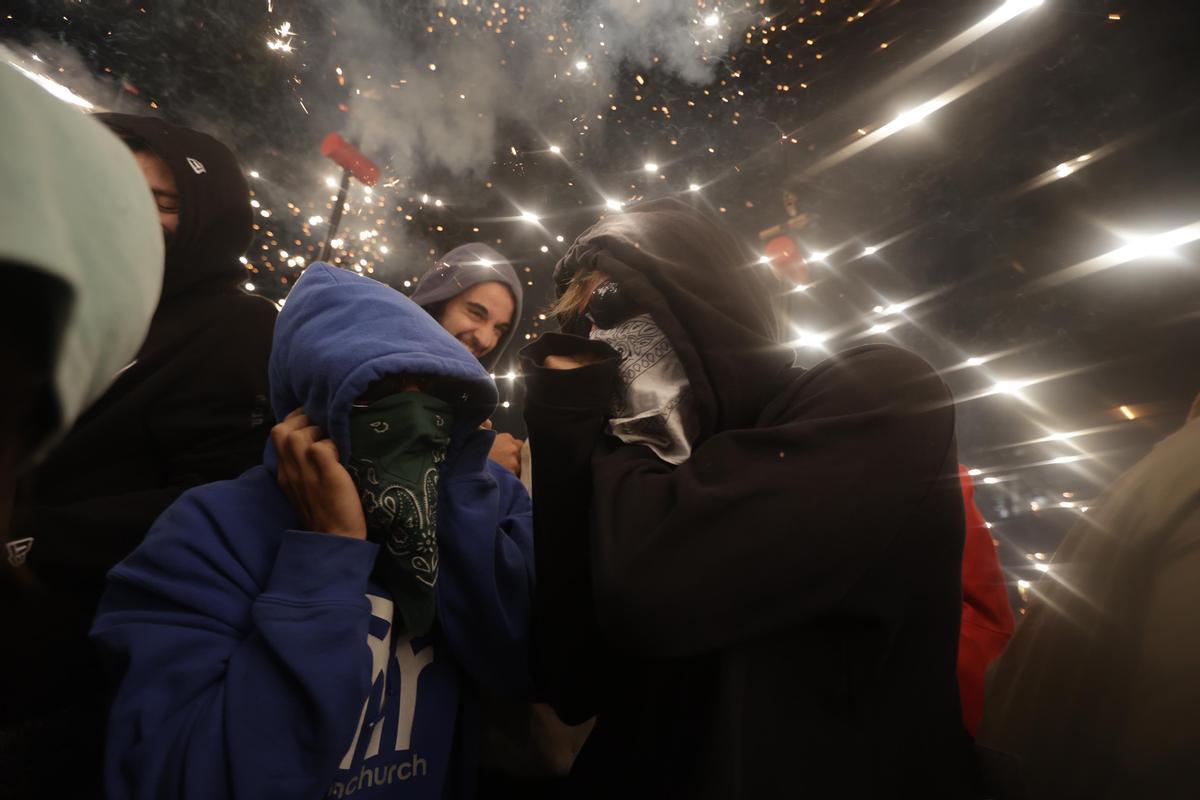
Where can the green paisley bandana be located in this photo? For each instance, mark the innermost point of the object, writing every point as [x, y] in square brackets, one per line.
[396, 444]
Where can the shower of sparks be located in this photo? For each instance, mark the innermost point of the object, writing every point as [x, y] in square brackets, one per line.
[283, 41]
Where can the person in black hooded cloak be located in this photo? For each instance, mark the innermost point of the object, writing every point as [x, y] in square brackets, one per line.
[749, 572]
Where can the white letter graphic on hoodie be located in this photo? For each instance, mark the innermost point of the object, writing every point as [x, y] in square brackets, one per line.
[410, 664]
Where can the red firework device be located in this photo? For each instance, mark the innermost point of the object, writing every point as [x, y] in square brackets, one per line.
[352, 162]
[348, 157]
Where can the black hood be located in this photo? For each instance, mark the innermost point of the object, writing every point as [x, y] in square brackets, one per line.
[706, 291]
[215, 217]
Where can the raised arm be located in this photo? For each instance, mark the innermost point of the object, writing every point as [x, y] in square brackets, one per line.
[241, 672]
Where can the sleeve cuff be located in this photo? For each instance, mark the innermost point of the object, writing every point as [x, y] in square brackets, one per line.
[589, 387]
[469, 456]
[321, 568]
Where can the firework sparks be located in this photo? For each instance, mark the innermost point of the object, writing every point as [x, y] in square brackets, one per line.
[283, 41]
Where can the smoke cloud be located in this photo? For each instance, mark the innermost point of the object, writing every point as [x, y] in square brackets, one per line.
[432, 84]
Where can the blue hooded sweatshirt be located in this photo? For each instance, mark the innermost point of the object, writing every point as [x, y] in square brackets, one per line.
[255, 657]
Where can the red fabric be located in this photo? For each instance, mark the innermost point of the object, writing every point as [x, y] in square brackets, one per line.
[987, 618]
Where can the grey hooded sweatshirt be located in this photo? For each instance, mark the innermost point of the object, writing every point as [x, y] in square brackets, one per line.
[459, 270]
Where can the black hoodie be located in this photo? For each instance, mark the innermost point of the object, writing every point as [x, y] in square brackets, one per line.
[192, 408]
[777, 616]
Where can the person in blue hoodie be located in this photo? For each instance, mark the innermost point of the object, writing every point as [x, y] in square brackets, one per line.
[319, 626]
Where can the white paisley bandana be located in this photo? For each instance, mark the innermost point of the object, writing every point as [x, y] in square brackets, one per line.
[654, 405]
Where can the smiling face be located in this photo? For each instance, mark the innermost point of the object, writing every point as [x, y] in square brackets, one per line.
[480, 317]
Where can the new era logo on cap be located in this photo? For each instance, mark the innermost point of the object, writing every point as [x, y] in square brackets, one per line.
[18, 549]
[196, 166]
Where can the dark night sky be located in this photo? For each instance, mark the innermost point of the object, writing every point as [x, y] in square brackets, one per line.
[950, 202]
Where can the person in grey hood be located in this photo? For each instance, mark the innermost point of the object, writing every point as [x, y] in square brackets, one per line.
[474, 293]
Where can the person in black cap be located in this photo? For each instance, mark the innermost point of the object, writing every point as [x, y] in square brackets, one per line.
[750, 573]
[189, 409]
